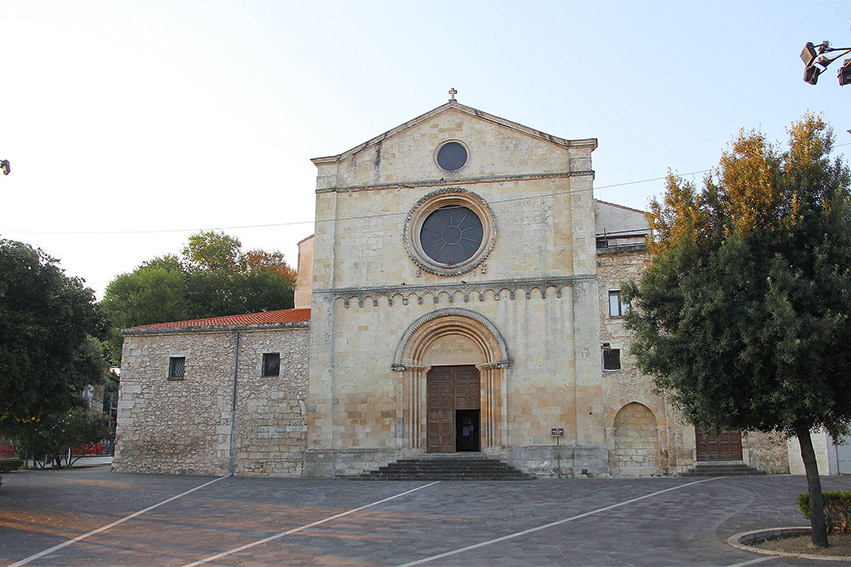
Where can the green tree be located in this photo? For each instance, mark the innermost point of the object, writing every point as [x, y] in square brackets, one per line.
[213, 276]
[50, 440]
[153, 293]
[743, 312]
[213, 251]
[49, 331]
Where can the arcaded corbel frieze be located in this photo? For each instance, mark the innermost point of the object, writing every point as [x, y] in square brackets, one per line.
[497, 365]
[500, 289]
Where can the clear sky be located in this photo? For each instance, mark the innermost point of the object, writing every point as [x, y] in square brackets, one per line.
[131, 125]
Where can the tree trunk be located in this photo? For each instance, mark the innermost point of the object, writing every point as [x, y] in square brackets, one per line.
[819, 528]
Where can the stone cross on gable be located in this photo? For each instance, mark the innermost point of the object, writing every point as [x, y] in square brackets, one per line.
[452, 93]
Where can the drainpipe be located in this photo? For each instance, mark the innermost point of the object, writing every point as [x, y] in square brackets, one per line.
[232, 464]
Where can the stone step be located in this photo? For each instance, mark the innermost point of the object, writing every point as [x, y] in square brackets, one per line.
[467, 467]
[709, 469]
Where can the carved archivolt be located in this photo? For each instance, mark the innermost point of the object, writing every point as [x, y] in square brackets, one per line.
[452, 321]
[411, 386]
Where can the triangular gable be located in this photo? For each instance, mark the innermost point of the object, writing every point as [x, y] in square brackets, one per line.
[454, 105]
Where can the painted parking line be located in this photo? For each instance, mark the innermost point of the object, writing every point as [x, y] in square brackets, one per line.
[752, 562]
[304, 527]
[32, 558]
[550, 525]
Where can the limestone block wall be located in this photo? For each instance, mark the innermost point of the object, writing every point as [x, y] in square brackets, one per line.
[826, 454]
[185, 426]
[536, 286]
[494, 147]
[636, 441]
[304, 277]
[627, 389]
[534, 237]
[540, 380]
[271, 425]
[676, 440]
[765, 451]
[364, 416]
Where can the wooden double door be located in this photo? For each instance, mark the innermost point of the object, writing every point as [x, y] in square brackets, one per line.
[723, 446]
[453, 394]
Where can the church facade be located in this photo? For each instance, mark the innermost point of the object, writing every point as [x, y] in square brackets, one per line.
[463, 287]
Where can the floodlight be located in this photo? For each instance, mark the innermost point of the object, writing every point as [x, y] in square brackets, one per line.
[811, 75]
[845, 73]
[808, 54]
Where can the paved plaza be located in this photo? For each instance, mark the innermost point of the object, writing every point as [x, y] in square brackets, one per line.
[91, 517]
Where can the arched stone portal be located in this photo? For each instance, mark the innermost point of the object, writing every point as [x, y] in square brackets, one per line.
[450, 337]
[636, 450]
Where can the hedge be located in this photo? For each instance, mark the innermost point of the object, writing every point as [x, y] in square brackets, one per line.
[9, 465]
[837, 510]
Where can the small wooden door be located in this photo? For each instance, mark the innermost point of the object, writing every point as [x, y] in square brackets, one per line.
[723, 446]
[449, 389]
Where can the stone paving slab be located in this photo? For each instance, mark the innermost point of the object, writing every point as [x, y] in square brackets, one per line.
[598, 522]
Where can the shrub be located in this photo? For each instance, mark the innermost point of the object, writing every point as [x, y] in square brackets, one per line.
[9, 465]
[837, 510]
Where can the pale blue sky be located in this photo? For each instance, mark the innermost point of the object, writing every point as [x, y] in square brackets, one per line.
[175, 116]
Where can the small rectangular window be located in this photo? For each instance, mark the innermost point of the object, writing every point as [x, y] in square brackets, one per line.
[271, 364]
[617, 306]
[176, 367]
[611, 358]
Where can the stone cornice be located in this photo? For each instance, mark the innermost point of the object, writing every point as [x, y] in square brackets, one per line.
[360, 294]
[150, 331]
[443, 182]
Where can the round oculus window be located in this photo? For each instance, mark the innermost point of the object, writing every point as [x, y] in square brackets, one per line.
[449, 231]
[452, 156]
[451, 235]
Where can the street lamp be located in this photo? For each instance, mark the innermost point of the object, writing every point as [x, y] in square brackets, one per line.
[816, 62]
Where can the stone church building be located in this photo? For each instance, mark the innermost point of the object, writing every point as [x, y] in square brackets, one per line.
[461, 294]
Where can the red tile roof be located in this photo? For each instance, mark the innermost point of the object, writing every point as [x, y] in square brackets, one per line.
[264, 317]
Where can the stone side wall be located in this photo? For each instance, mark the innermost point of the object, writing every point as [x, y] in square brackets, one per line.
[676, 440]
[628, 385]
[271, 427]
[184, 426]
[824, 449]
[766, 452]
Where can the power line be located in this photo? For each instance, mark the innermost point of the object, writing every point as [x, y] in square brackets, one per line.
[377, 215]
[295, 223]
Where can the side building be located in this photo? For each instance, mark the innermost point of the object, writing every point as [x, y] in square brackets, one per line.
[215, 396]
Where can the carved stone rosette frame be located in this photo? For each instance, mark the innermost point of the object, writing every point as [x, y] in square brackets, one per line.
[411, 388]
[429, 204]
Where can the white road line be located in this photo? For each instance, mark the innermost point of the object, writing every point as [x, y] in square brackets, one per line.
[300, 528]
[550, 525]
[112, 525]
[753, 561]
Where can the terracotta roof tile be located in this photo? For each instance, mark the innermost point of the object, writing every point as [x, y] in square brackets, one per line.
[264, 317]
